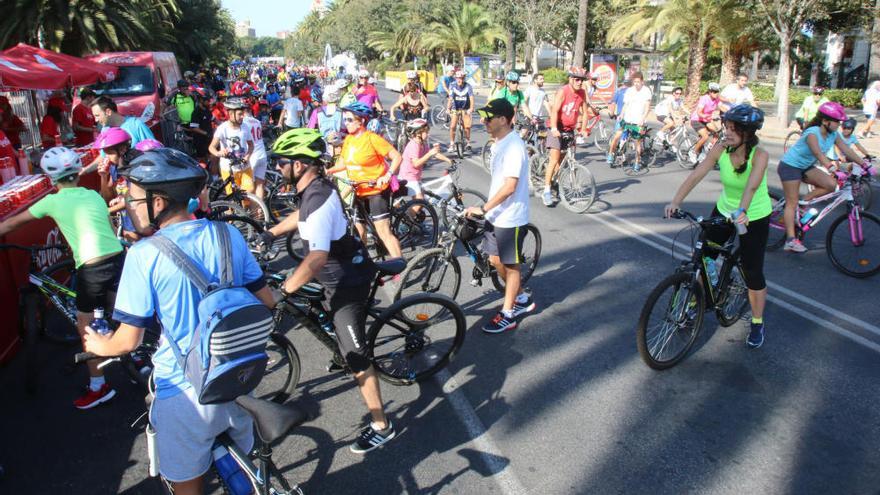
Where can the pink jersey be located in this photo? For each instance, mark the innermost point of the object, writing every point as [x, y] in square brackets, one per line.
[709, 105]
[413, 151]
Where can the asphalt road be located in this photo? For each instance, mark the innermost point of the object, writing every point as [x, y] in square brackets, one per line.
[563, 404]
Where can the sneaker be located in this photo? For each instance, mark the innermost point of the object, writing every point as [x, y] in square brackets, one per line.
[609, 158]
[547, 197]
[499, 323]
[451, 148]
[692, 156]
[863, 135]
[795, 246]
[526, 307]
[467, 147]
[93, 398]
[756, 336]
[370, 438]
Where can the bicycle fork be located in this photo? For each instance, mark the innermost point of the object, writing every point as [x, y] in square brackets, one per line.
[855, 227]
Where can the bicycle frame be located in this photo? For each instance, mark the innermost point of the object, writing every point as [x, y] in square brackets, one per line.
[844, 195]
[728, 251]
[53, 291]
[259, 477]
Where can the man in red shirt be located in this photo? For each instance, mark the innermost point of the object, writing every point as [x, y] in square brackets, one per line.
[10, 124]
[82, 120]
[569, 109]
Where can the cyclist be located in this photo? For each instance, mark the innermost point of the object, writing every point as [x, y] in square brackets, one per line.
[567, 112]
[636, 106]
[416, 155]
[259, 158]
[183, 101]
[446, 81]
[366, 93]
[218, 111]
[328, 118]
[870, 105]
[496, 90]
[241, 87]
[363, 157]
[107, 115]
[340, 263]
[702, 119]
[233, 142]
[736, 93]
[506, 212]
[460, 104]
[810, 106]
[412, 104]
[114, 143]
[276, 104]
[512, 94]
[346, 97]
[798, 164]
[537, 100]
[81, 215]
[412, 77]
[670, 112]
[744, 199]
[847, 132]
[291, 113]
[164, 184]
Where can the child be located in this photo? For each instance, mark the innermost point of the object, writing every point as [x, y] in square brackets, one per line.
[849, 137]
[416, 155]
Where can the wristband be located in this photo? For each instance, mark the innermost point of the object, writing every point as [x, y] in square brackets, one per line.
[738, 212]
[483, 208]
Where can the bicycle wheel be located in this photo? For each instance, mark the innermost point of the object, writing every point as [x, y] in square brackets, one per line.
[432, 272]
[457, 203]
[733, 300]
[776, 238]
[649, 152]
[281, 203]
[224, 208]
[682, 150]
[854, 249]
[665, 339]
[257, 209]
[577, 187]
[486, 155]
[59, 324]
[439, 116]
[294, 246]
[790, 139]
[251, 231]
[406, 350]
[282, 371]
[416, 226]
[531, 254]
[632, 165]
[601, 136]
[537, 169]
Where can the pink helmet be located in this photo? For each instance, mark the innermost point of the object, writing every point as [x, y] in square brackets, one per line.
[147, 145]
[833, 111]
[111, 136]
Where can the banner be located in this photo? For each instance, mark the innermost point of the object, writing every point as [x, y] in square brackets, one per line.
[605, 68]
[472, 71]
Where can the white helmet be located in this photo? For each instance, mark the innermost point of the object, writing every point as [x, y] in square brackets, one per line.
[341, 83]
[331, 95]
[714, 86]
[363, 73]
[60, 162]
[411, 74]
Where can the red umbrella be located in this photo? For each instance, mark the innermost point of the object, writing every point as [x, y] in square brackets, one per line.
[27, 67]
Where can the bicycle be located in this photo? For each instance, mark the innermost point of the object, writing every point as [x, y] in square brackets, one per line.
[397, 340]
[437, 270]
[461, 141]
[678, 142]
[603, 134]
[440, 116]
[693, 159]
[664, 343]
[238, 201]
[576, 184]
[628, 156]
[446, 196]
[864, 261]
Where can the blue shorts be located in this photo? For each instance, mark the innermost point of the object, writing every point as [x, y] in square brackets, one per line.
[788, 173]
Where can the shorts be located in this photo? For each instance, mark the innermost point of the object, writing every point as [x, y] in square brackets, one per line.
[871, 116]
[413, 187]
[506, 243]
[697, 125]
[185, 432]
[662, 118]
[559, 143]
[378, 206]
[618, 125]
[94, 282]
[244, 178]
[635, 131]
[259, 164]
[348, 305]
[788, 173]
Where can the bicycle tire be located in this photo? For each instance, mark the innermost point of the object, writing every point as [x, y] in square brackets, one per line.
[631, 166]
[776, 237]
[439, 116]
[294, 246]
[537, 170]
[530, 260]
[282, 372]
[649, 152]
[867, 241]
[261, 212]
[394, 362]
[415, 231]
[577, 187]
[486, 155]
[430, 272]
[646, 345]
[65, 332]
[251, 229]
[223, 208]
[458, 202]
[790, 139]
[601, 136]
[734, 299]
[280, 204]
[682, 151]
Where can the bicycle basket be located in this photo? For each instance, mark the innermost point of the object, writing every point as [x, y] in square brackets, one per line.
[467, 229]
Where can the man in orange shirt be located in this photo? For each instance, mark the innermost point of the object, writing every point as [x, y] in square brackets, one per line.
[363, 157]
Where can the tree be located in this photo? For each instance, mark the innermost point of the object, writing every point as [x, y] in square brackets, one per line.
[581, 39]
[464, 30]
[400, 43]
[539, 20]
[204, 34]
[738, 34]
[874, 62]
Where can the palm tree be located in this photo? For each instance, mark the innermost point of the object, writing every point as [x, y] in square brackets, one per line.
[581, 38]
[464, 30]
[401, 43]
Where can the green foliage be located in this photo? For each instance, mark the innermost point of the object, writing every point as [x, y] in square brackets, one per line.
[851, 98]
[264, 46]
[555, 76]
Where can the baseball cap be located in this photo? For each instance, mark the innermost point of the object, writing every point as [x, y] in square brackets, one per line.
[499, 106]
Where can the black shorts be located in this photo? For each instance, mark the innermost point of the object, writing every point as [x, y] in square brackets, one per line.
[378, 206]
[562, 143]
[94, 283]
[752, 244]
[697, 125]
[506, 243]
[348, 305]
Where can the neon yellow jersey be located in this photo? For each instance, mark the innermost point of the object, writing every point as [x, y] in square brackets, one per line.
[734, 185]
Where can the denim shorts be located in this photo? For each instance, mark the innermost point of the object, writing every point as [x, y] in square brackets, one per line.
[788, 173]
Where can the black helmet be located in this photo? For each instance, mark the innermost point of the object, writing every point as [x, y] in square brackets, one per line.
[849, 123]
[167, 172]
[745, 115]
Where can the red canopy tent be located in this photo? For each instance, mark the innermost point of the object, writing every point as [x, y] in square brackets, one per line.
[28, 67]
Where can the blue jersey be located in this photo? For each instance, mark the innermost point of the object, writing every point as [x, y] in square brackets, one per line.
[137, 130]
[618, 100]
[460, 96]
[448, 81]
[800, 156]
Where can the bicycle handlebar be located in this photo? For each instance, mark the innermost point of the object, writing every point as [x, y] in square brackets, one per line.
[703, 222]
[81, 357]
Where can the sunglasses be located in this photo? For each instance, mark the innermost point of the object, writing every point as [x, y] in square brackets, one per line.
[349, 120]
[513, 82]
[578, 79]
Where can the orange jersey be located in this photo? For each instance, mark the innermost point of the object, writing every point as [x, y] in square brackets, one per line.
[364, 159]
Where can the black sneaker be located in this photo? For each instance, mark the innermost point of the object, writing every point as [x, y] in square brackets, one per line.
[371, 438]
[499, 323]
[526, 307]
[756, 336]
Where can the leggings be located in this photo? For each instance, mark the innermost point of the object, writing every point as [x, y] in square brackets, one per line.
[752, 246]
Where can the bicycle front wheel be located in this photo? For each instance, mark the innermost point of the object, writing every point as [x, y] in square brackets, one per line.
[416, 226]
[258, 209]
[682, 150]
[530, 255]
[853, 244]
[601, 136]
[486, 156]
[537, 169]
[733, 300]
[456, 204]
[294, 246]
[577, 187]
[670, 321]
[431, 272]
[407, 350]
[282, 371]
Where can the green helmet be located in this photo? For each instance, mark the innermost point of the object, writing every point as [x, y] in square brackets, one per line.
[300, 142]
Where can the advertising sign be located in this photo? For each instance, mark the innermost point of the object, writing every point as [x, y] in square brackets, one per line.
[605, 68]
[472, 71]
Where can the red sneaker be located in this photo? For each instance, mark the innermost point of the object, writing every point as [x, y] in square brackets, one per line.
[92, 398]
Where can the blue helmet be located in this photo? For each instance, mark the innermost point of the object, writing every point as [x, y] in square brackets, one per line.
[359, 109]
[317, 94]
[745, 115]
[375, 125]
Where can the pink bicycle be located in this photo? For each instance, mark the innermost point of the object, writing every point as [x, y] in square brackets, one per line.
[853, 240]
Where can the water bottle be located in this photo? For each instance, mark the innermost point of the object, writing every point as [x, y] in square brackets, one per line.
[99, 324]
[711, 270]
[234, 478]
[809, 215]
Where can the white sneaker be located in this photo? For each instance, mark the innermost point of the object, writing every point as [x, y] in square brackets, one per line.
[547, 197]
[692, 156]
[795, 246]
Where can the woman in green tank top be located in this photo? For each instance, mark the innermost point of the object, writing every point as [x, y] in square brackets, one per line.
[744, 198]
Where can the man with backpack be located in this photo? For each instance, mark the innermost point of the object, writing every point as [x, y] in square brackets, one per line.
[189, 409]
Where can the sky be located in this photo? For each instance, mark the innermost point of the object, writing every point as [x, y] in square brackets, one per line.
[268, 16]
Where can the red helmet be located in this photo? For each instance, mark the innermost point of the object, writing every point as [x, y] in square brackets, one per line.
[833, 111]
[578, 72]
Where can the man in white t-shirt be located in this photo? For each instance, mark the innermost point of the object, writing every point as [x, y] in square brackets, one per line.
[636, 105]
[233, 143]
[735, 93]
[506, 212]
[292, 113]
[870, 104]
[259, 158]
[536, 98]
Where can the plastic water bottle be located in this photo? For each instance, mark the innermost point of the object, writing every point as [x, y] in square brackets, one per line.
[711, 270]
[809, 215]
[234, 478]
[99, 324]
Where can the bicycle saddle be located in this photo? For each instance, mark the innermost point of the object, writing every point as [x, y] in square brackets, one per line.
[272, 421]
[391, 266]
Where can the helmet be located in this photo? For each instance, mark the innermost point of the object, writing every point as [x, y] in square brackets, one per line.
[363, 73]
[849, 123]
[235, 104]
[375, 125]
[578, 72]
[262, 102]
[181, 83]
[316, 93]
[298, 79]
[512, 76]
[111, 136]
[331, 95]
[594, 76]
[60, 162]
[713, 86]
[818, 90]
[242, 74]
[147, 145]
[745, 115]
[416, 125]
[300, 142]
[167, 171]
[459, 73]
[411, 74]
[359, 109]
[832, 110]
[188, 74]
[341, 83]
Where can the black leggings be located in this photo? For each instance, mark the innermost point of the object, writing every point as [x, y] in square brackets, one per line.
[752, 246]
